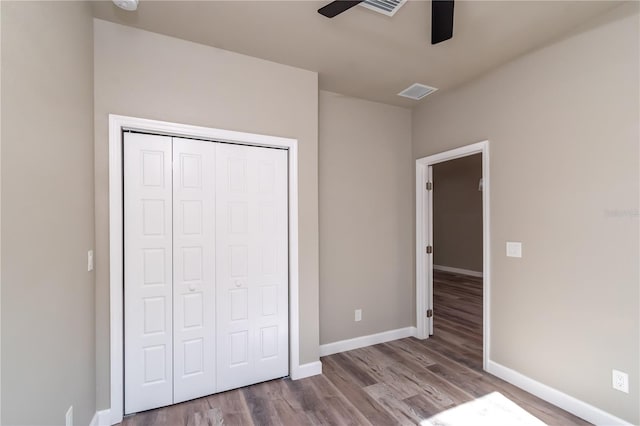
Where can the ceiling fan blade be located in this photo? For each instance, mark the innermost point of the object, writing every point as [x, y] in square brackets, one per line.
[337, 7]
[441, 20]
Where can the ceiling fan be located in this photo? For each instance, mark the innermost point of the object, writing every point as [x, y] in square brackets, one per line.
[441, 16]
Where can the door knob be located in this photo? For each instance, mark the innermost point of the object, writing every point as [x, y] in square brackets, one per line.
[192, 287]
[238, 283]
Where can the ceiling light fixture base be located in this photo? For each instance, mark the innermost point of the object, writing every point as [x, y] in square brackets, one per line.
[129, 5]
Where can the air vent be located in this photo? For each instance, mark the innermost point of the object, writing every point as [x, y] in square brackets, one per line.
[386, 7]
[417, 91]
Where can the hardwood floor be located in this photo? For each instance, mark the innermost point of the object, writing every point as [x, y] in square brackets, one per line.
[458, 317]
[401, 382]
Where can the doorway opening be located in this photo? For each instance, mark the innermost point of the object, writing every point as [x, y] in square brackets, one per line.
[452, 247]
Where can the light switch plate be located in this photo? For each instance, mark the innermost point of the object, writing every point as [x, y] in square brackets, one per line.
[514, 249]
[90, 260]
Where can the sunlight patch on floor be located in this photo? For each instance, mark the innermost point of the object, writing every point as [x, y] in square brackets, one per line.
[493, 409]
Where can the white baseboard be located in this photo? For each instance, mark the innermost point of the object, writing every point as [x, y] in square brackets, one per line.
[306, 370]
[458, 270]
[101, 418]
[560, 399]
[363, 341]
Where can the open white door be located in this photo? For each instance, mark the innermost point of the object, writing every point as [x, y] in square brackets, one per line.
[424, 239]
[429, 258]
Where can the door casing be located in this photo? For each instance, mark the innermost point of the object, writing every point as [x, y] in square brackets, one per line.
[117, 125]
[424, 237]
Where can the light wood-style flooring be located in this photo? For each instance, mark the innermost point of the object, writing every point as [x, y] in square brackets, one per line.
[401, 382]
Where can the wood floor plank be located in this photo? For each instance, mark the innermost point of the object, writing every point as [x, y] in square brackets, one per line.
[403, 382]
[211, 417]
[233, 407]
[385, 370]
[259, 404]
[423, 406]
[416, 376]
[403, 414]
[399, 354]
[358, 373]
[335, 400]
[355, 393]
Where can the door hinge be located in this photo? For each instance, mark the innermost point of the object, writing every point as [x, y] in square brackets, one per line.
[429, 186]
[429, 249]
[429, 313]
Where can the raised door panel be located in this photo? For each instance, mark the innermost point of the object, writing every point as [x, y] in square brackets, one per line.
[148, 272]
[251, 265]
[193, 269]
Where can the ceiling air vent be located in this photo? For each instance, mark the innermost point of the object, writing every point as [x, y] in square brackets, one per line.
[417, 91]
[386, 7]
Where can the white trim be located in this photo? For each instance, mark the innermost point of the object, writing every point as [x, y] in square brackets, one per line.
[423, 211]
[422, 239]
[306, 370]
[101, 418]
[116, 124]
[428, 202]
[461, 271]
[560, 399]
[363, 341]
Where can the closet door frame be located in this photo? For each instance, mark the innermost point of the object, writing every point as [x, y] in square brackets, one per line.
[117, 126]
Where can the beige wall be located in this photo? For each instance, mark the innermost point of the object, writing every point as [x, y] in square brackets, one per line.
[48, 329]
[457, 213]
[148, 75]
[366, 240]
[563, 125]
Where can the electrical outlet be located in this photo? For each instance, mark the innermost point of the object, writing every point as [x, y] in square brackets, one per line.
[358, 316]
[68, 419]
[620, 381]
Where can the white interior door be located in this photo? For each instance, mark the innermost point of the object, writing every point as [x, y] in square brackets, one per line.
[193, 269]
[148, 296]
[429, 263]
[251, 265]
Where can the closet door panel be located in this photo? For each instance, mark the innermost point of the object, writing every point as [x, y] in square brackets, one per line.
[147, 272]
[271, 267]
[251, 265]
[193, 268]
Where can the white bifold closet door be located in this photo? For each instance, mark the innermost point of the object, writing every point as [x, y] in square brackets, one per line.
[251, 265]
[194, 241]
[148, 272]
[206, 268]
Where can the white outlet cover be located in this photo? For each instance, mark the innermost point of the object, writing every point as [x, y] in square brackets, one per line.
[514, 249]
[620, 381]
[358, 315]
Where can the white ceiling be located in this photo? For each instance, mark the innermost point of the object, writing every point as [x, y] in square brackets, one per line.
[363, 53]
